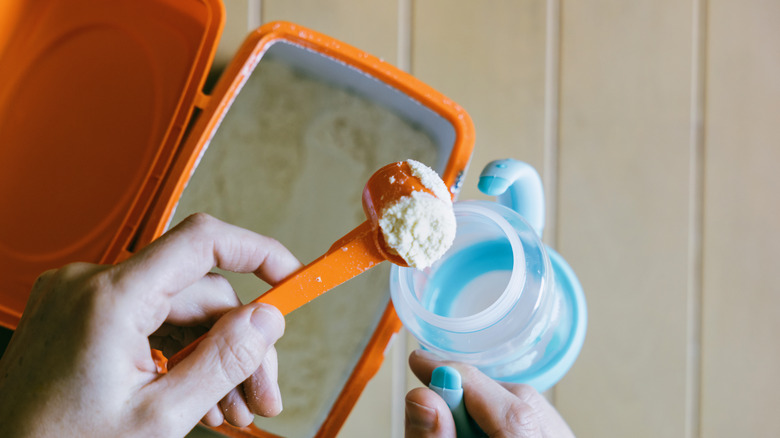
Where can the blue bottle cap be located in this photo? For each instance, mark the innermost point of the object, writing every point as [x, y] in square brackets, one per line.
[446, 377]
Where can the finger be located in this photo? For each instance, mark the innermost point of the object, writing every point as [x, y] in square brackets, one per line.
[524, 392]
[262, 388]
[193, 311]
[203, 302]
[258, 394]
[549, 418]
[422, 365]
[499, 411]
[231, 351]
[147, 281]
[427, 415]
[234, 408]
[213, 417]
[494, 408]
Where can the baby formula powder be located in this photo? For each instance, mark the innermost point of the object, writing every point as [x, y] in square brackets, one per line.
[420, 227]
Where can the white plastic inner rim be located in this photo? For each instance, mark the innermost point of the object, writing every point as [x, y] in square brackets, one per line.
[505, 301]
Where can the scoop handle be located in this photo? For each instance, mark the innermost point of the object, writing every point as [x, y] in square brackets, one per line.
[351, 255]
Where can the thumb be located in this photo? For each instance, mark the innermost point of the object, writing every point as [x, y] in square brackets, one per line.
[233, 349]
[427, 415]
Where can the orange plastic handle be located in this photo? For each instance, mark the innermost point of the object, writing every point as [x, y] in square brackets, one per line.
[350, 256]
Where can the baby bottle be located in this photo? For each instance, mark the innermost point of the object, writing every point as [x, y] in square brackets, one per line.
[499, 299]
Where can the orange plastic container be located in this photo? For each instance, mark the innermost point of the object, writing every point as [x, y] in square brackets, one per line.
[103, 120]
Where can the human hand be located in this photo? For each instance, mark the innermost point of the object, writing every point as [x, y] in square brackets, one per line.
[500, 409]
[80, 362]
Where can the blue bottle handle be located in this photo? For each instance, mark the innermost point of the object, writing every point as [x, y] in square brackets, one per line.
[446, 382]
[518, 186]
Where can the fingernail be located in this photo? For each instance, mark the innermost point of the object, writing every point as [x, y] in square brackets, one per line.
[420, 417]
[279, 403]
[274, 407]
[268, 318]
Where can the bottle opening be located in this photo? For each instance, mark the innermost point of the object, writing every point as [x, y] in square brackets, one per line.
[478, 280]
[470, 281]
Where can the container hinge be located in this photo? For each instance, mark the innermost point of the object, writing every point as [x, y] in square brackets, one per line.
[201, 100]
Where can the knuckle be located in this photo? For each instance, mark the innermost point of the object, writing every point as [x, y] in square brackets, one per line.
[274, 243]
[237, 361]
[273, 250]
[201, 230]
[71, 272]
[42, 286]
[520, 420]
[44, 277]
[198, 227]
[74, 290]
[222, 288]
[527, 394]
[469, 372]
[200, 220]
[82, 282]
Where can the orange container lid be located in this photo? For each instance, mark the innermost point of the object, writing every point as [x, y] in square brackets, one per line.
[103, 120]
[94, 100]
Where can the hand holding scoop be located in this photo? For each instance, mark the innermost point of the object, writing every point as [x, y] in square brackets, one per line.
[359, 250]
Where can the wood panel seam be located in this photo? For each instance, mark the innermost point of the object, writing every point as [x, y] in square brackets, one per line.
[695, 226]
[398, 356]
[552, 84]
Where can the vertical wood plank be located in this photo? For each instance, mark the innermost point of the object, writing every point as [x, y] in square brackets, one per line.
[552, 83]
[369, 25]
[241, 17]
[741, 352]
[623, 211]
[490, 59]
[696, 219]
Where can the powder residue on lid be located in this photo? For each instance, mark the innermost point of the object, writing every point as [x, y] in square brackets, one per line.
[420, 227]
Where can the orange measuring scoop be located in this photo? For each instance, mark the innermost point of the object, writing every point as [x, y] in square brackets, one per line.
[358, 251]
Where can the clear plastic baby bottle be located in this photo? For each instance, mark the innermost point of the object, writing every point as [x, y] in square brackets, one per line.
[499, 299]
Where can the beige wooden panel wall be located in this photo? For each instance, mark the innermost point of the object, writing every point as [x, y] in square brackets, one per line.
[656, 126]
[741, 299]
[624, 211]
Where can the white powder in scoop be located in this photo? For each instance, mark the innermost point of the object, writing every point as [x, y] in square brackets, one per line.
[421, 227]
